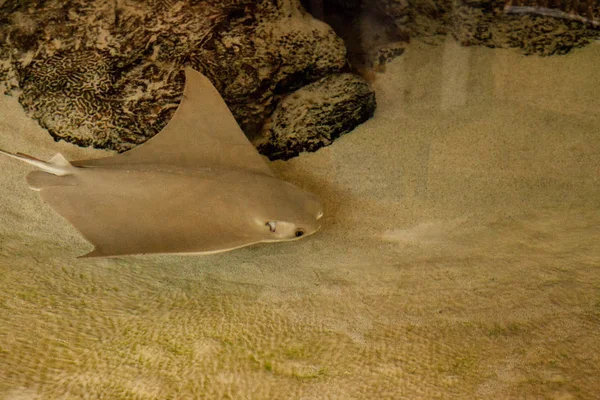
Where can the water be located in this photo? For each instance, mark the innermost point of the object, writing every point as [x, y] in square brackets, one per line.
[459, 258]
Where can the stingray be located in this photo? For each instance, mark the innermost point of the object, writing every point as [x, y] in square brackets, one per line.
[197, 187]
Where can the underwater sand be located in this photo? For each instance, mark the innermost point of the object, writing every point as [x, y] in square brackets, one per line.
[459, 259]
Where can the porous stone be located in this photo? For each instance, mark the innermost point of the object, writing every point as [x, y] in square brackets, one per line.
[546, 28]
[372, 35]
[316, 114]
[376, 31]
[109, 73]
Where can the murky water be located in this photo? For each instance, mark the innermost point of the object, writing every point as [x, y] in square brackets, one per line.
[459, 258]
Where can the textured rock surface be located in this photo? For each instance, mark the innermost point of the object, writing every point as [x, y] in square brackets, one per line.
[376, 31]
[316, 114]
[537, 31]
[108, 73]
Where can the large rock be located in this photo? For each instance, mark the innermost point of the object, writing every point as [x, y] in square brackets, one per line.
[377, 30]
[374, 31]
[542, 27]
[109, 74]
[316, 114]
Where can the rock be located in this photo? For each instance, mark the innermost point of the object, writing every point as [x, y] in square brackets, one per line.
[541, 30]
[376, 31]
[373, 35]
[109, 73]
[316, 114]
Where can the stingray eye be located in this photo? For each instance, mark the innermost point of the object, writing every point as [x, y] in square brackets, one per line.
[299, 233]
[271, 225]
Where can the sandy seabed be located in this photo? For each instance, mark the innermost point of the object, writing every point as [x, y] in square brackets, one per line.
[459, 259]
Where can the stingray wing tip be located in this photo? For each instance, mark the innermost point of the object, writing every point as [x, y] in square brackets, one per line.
[96, 253]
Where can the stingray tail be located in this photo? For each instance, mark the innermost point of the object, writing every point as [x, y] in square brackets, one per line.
[57, 165]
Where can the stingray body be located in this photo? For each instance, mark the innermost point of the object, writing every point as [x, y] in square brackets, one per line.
[197, 187]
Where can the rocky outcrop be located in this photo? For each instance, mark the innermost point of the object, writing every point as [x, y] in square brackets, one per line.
[316, 114]
[542, 27]
[376, 31]
[109, 73]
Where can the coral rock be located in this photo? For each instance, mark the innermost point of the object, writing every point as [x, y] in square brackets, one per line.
[316, 114]
[109, 74]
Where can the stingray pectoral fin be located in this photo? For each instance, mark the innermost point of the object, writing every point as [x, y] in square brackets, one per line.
[38, 180]
[96, 253]
[202, 133]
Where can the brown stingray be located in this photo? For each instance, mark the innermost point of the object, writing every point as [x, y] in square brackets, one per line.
[197, 187]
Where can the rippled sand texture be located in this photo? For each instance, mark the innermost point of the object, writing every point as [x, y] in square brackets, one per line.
[459, 259]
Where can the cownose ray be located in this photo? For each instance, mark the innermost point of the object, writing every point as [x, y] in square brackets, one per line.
[197, 187]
